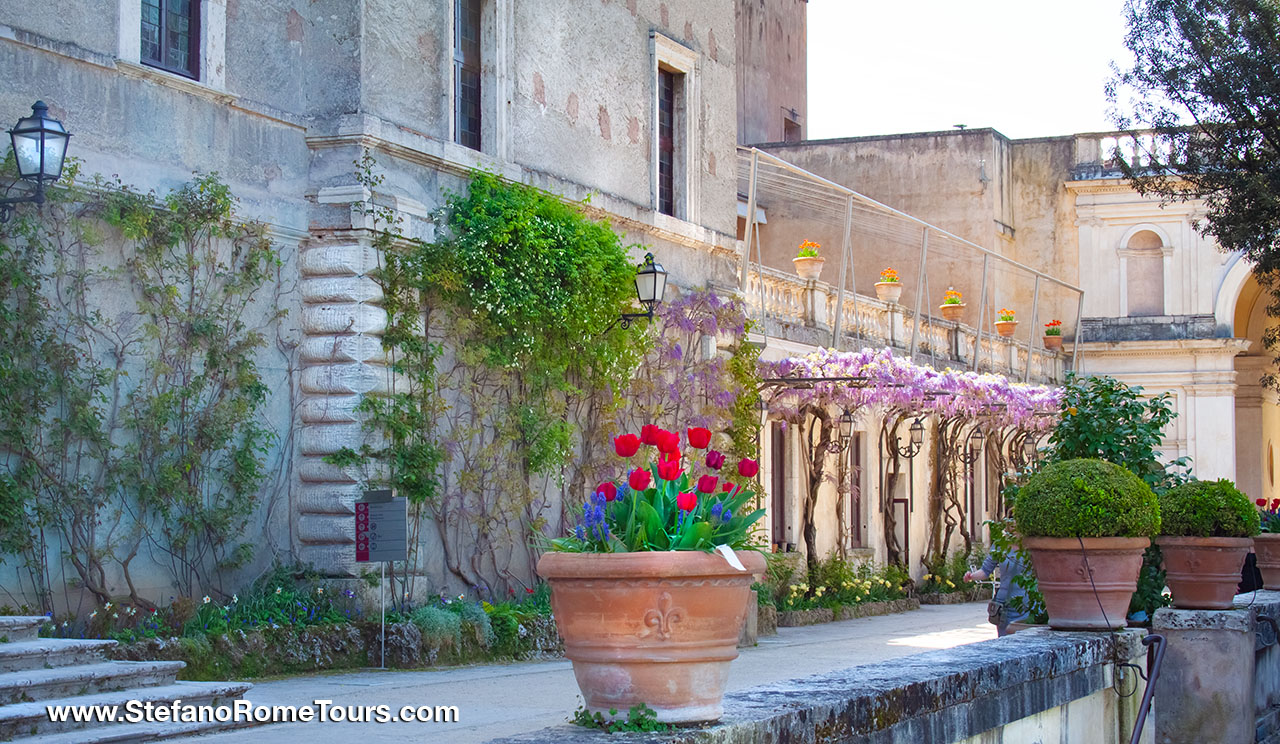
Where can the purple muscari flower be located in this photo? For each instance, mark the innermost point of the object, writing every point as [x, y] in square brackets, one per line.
[579, 533]
[726, 515]
[716, 508]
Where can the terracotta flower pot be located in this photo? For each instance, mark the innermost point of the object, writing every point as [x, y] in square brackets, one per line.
[656, 628]
[1203, 572]
[1267, 548]
[889, 291]
[1006, 327]
[1071, 600]
[1053, 342]
[952, 311]
[809, 267]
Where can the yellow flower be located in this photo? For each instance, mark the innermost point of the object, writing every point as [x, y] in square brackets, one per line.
[950, 584]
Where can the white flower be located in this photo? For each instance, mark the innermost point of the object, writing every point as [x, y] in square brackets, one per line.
[206, 599]
[319, 590]
[115, 615]
[93, 614]
[277, 590]
[107, 606]
[234, 599]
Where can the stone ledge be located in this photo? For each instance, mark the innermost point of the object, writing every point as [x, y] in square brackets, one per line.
[937, 696]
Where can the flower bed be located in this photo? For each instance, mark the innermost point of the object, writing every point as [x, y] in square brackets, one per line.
[977, 594]
[799, 618]
[294, 650]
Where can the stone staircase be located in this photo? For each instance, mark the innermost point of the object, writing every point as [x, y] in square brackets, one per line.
[36, 672]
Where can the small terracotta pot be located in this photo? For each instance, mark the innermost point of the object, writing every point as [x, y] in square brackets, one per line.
[1267, 548]
[953, 311]
[809, 267]
[657, 628]
[1203, 572]
[889, 291]
[1006, 327]
[1053, 342]
[1063, 572]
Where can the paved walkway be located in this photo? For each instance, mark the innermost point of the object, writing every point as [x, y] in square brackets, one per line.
[501, 700]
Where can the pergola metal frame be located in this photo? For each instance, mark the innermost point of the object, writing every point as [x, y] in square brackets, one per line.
[847, 268]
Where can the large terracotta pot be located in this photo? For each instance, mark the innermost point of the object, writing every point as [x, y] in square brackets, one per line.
[889, 291]
[657, 628]
[809, 267]
[1053, 342]
[1203, 572]
[1071, 600]
[1267, 547]
[952, 311]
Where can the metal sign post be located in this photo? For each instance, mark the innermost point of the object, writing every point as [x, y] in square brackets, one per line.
[382, 535]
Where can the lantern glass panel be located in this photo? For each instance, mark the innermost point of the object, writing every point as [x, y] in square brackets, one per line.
[917, 432]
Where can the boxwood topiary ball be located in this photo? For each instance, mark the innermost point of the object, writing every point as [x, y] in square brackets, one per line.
[1207, 509]
[1086, 498]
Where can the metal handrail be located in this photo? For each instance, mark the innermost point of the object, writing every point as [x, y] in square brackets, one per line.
[1153, 671]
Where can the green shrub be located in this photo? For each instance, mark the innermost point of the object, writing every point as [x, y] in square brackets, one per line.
[1207, 509]
[1086, 498]
[441, 627]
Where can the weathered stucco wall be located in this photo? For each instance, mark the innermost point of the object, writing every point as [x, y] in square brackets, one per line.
[772, 69]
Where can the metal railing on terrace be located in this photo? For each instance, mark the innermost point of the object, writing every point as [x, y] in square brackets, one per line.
[790, 205]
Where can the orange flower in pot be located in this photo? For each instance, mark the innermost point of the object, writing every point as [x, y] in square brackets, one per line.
[1006, 322]
[889, 288]
[1206, 531]
[807, 261]
[952, 307]
[1267, 544]
[651, 588]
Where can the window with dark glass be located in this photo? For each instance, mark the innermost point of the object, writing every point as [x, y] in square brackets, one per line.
[466, 72]
[171, 35]
[666, 142]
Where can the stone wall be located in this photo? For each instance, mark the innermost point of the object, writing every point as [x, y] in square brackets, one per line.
[1037, 685]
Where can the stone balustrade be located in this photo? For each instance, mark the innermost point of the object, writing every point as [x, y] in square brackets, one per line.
[805, 312]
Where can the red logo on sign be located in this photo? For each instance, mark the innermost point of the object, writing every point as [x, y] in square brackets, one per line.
[362, 532]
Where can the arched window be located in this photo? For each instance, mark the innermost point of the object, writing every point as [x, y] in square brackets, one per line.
[1145, 274]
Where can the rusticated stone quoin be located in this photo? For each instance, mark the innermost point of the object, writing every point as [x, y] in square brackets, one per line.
[342, 323]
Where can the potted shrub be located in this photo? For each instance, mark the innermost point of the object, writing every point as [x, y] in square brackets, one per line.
[889, 288]
[651, 588]
[807, 261]
[1053, 334]
[1206, 531]
[1006, 323]
[1267, 544]
[1085, 524]
[952, 306]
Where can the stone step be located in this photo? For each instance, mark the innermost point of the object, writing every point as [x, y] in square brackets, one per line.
[45, 653]
[128, 733]
[32, 719]
[31, 685]
[14, 628]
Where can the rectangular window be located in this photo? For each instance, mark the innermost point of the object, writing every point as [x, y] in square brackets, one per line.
[171, 36]
[855, 491]
[666, 142]
[466, 72]
[778, 483]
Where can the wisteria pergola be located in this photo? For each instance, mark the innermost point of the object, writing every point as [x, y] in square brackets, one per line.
[963, 407]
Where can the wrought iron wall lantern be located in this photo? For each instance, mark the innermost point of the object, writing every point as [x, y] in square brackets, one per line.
[39, 149]
[1031, 448]
[970, 454]
[651, 287]
[917, 441]
[844, 433]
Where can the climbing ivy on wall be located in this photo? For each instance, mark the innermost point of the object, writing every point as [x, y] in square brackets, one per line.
[130, 397]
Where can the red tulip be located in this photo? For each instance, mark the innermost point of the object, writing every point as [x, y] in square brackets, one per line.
[748, 468]
[687, 501]
[673, 456]
[609, 490]
[707, 483]
[669, 471]
[626, 445]
[715, 460]
[1261, 502]
[668, 441]
[649, 434]
[639, 479]
[699, 437]
[726, 487]
[1275, 504]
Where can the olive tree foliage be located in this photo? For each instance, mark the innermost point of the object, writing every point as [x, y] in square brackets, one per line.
[1204, 77]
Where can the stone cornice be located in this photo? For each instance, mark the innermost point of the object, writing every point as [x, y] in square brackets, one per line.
[1198, 346]
[371, 133]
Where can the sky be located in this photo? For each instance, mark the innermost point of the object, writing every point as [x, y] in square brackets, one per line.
[1028, 68]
